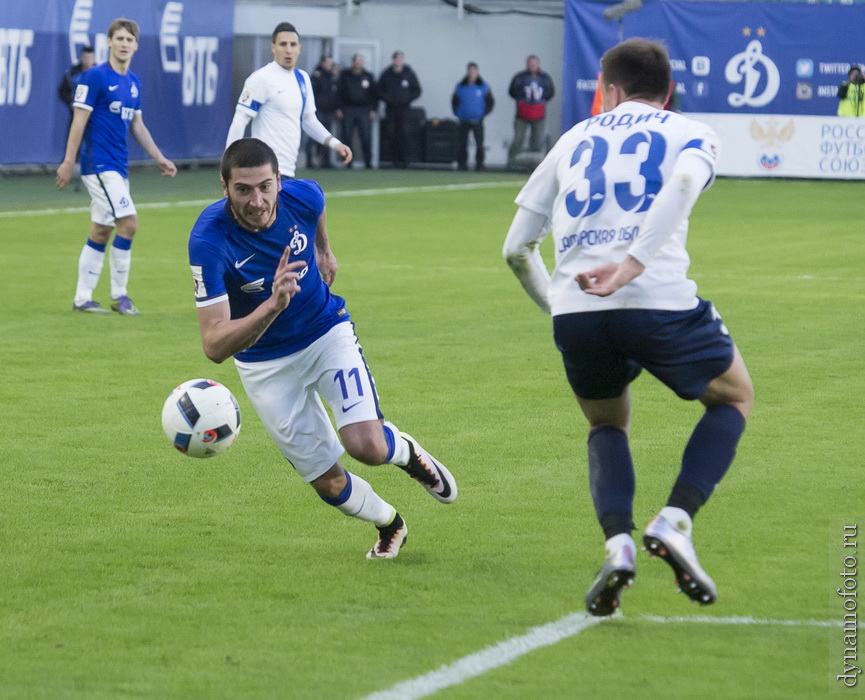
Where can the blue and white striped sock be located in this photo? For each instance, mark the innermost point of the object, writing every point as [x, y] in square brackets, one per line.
[90, 264]
[120, 259]
[358, 500]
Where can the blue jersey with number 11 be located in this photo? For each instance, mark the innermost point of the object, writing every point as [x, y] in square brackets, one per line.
[235, 264]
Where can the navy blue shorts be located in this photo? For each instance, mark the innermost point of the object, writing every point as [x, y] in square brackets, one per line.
[604, 351]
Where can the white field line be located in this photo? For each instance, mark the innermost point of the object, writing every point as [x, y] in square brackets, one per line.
[332, 195]
[503, 653]
[706, 619]
[488, 659]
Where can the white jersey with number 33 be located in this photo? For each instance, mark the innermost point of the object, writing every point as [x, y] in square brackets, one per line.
[596, 186]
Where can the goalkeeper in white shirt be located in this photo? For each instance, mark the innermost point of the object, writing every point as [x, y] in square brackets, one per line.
[279, 101]
[616, 192]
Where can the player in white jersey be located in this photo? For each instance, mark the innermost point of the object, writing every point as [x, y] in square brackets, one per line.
[279, 101]
[256, 261]
[107, 105]
[616, 192]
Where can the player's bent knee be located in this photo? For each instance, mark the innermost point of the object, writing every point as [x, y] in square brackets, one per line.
[739, 395]
[734, 387]
[331, 483]
[365, 442]
[127, 226]
[370, 452]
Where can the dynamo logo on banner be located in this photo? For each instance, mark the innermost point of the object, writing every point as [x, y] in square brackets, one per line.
[744, 67]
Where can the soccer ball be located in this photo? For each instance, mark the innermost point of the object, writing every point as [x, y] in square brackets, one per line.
[201, 418]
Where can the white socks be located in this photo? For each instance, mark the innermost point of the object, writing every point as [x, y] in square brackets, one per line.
[358, 500]
[90, 264]
[119, 261]
[401, 453]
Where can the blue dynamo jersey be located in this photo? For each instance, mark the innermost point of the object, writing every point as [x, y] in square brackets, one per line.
[112, 100]
[233, 263]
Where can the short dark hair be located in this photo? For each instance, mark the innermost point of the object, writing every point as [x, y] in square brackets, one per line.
[130, 25]
[640, 67]
[472, 64]
[246, 153]
[282, 27]
[87, 49]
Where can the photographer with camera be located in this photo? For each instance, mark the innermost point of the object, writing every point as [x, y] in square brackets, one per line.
[851, 94]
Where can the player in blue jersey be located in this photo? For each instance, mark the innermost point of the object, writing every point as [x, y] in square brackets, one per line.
[107, 105]
[616, 192]
[255, 259]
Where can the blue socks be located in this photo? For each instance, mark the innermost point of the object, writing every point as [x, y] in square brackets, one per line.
[611, 479]
[707, 457]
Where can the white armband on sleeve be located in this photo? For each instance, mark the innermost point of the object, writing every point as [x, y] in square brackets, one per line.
[672, 206]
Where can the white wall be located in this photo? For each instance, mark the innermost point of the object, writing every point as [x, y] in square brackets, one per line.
[437, 45]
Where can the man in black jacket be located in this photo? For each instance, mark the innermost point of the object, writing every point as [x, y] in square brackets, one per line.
[324, 88]
[398, 87]
[357, 104]
[66, 89]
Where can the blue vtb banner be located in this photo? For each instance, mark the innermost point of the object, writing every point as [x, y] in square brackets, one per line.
[184, 60]
[727, 57]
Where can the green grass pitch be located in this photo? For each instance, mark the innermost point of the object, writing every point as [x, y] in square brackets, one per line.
[130, 571]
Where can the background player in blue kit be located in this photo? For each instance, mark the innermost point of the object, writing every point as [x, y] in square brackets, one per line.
[255, 259]
[107, 105]
[616, 192]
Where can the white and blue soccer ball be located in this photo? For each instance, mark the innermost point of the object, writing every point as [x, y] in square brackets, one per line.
[201, 418]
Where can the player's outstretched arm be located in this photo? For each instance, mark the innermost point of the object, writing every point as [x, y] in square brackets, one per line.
[341, 149]
[142, 135]
[222, 336]
[606, 279]
[521, 253]
[670, 208]
[318, 132]
[238, 126]
[76, 133]
[324, 257]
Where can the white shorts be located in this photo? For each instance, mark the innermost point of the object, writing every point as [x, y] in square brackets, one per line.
[109, 197]
[287, 394]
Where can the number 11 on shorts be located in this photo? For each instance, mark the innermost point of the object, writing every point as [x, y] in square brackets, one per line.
[344, 386]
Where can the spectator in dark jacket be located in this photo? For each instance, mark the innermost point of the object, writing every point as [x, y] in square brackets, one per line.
[324, 90]
[472, 101]
[66, 89]
[358, 102]
[398, 87]
[532, 89]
